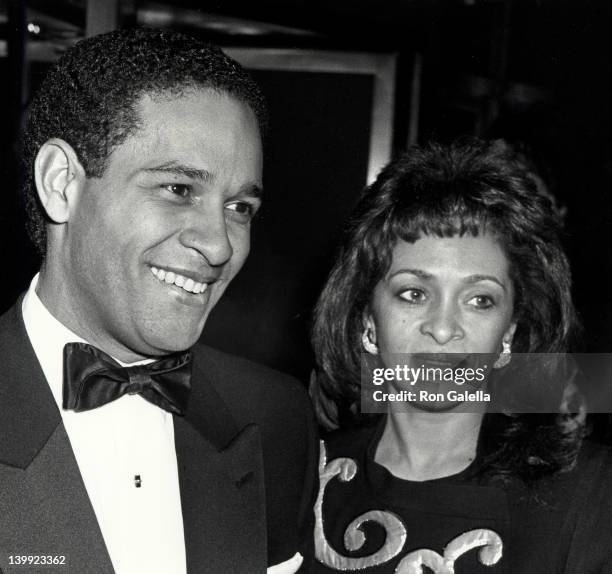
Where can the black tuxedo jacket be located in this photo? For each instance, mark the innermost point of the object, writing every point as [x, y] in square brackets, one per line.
[246, 461]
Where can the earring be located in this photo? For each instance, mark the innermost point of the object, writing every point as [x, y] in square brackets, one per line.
[504, 357]
[368, 344]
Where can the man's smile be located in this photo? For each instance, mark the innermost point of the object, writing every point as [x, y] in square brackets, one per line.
[179, 280]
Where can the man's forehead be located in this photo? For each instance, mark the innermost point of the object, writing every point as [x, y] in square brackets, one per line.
[193, 112]
[167, 97]
[193, 133]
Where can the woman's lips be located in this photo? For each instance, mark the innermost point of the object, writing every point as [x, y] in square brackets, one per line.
[440, 360]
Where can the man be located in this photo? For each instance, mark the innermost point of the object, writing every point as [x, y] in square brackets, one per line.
[143, 171]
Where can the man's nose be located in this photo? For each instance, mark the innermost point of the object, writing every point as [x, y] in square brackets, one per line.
[442, 324]
[207, 234]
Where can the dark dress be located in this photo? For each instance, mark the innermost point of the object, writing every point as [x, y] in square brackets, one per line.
[459, 523]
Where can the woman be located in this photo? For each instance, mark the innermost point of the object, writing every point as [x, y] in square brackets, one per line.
[453, 250]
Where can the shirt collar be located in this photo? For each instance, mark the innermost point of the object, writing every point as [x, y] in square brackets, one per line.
[48, 336]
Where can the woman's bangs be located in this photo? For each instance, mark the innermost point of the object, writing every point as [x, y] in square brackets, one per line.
[439, 221]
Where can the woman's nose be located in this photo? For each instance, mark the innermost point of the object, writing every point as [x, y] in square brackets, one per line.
[442, 324]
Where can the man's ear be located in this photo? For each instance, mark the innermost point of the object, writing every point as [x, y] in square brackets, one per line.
[59, 176]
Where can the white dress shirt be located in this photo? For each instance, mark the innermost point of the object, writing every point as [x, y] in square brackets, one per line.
[113, 445]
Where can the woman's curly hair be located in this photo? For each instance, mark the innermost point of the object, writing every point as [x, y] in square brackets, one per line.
[466, 188]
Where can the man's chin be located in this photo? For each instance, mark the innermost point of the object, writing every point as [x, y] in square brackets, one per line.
[164, 341]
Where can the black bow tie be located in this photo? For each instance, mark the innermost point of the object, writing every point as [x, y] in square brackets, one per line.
[92, 379]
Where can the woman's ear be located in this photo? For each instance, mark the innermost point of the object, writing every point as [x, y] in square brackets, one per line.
[59, 177]
[506, 352]
[509, 334]
[368, 336]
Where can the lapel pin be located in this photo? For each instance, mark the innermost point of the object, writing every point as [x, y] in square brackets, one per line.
[244, 479]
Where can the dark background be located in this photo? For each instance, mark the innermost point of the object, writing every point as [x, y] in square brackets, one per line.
[532, 71]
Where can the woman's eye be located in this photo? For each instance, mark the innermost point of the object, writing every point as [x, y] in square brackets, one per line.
[481, 302]
[180, 189]
[413, 295]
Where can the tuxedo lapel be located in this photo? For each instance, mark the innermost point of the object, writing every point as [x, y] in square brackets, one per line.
[46, 511]
[44, 507]
[28, 413]
[222, 488]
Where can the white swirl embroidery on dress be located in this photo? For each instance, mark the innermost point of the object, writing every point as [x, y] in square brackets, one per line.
[346, 469]
[489, 542]
[490, 553]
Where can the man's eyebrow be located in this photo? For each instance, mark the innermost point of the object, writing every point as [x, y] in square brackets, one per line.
[173, 168]
[253, 190]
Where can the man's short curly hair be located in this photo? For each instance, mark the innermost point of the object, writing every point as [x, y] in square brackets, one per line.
[89, 97]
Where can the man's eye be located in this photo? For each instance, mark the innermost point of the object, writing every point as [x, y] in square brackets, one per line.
[413, 296]
[481, 302]
[180, 189]
[241, 210]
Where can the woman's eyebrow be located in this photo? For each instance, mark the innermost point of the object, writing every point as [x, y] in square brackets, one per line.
[480, 277]
[418, 272]
[475, 278]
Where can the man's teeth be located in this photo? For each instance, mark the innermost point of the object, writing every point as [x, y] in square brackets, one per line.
[172, 278]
